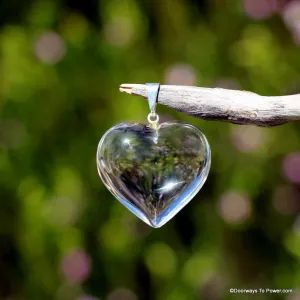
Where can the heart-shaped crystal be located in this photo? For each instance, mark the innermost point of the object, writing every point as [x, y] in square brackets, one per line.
[154, 172]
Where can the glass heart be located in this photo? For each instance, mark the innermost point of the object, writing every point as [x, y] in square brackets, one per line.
[154, 172]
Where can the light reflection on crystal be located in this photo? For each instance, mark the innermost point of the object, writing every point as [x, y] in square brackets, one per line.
[126, 141]
[161, 171]
[169, 186]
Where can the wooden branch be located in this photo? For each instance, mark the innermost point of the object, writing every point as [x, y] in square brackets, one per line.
[217, 104]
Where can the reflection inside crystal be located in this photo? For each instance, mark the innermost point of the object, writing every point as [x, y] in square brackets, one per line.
[126, 141]
[169, 186]
[154, 172]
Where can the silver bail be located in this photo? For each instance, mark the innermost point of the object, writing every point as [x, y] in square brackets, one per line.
[153, 90]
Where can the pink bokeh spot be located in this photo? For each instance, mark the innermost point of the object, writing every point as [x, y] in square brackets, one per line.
[291, 167]
[291, 17]
[87, 298]
[234, 207]
[296, 33]
[181, 73]
[50, 48]
[260, 9]
[248, 138]
[291, 14]
[76, 266]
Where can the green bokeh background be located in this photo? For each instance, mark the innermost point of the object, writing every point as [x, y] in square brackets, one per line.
[61, 66]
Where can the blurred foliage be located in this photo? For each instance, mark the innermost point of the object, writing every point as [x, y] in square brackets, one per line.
[62, 234]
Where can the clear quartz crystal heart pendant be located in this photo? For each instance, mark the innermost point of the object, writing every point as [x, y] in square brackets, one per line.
[154, 170]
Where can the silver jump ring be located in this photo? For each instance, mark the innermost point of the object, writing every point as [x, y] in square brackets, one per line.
[153, 90]
[153, 115]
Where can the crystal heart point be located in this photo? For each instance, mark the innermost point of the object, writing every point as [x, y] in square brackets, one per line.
[154, 172]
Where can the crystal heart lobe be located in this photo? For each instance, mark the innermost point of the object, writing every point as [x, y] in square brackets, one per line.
[154, 172]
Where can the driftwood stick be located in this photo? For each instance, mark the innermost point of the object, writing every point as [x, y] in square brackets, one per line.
[217, 104]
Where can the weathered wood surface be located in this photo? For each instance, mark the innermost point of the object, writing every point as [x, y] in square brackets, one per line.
[240, 107]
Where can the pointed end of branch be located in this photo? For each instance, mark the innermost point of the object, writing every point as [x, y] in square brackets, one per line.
[126, 88]
[132, 89]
